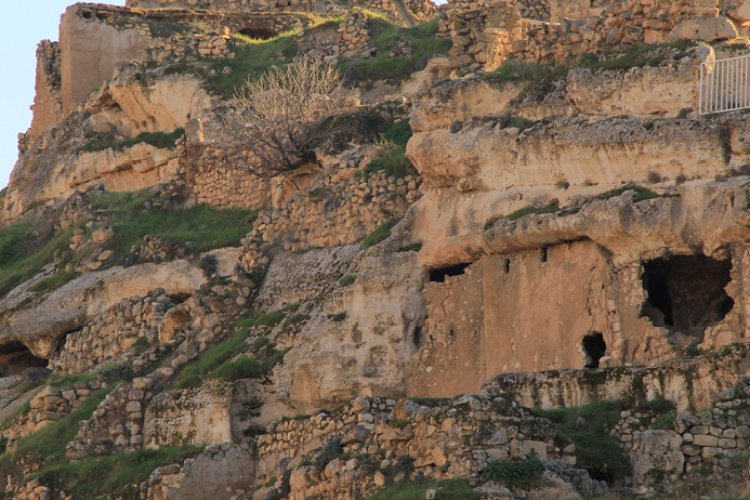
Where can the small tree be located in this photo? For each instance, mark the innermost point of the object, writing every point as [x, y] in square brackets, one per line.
[285, 114]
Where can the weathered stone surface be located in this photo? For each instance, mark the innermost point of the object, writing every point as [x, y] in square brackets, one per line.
[706, 28]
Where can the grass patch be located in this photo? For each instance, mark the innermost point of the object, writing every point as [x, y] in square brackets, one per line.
[638, 55]
[20, 411]
[513, 71]
[531, 209]
[338, 317]
[253, 58]
[53, 282]
[665, 421]
[385, 34]
[414, 247]
[71, 380]
[348, 279]
[163, 140]
[379, 234]
[193, 374]
[117, 476]
[24, 252]
[641, 193]
[391, 160]
[198, 229]
[450, 489]
[515, 473]
[398, 133]
[588, 428]
[48, 444]
[217, 362]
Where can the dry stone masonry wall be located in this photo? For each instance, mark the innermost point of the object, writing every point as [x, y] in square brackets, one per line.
[445, 439]
[133, 321]
[48, 405]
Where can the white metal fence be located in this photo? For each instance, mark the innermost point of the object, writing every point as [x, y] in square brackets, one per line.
[724, 85]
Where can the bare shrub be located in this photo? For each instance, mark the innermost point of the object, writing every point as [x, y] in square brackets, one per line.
[285, 114]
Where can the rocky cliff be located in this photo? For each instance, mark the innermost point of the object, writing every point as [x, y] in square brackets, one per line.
[381, 249]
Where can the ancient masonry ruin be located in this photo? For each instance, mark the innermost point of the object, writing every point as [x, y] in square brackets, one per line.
[520, 269]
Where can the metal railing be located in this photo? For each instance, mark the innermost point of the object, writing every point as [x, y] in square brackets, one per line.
[724, 85]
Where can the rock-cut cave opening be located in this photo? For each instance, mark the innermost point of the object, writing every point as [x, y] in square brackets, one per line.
[438, 275]
[686, 293]
[16, 357]
[594, 348]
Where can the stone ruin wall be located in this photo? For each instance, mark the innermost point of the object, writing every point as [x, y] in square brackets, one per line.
[489, 33]
[451, 439]
[95, 38]
[49, 404]
[48, 107]
[113, 334]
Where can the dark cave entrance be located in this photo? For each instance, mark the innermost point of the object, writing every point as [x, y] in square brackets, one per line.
[258, 33]
[686, 293]
[16, 358]
[594, 348]
[438, 275]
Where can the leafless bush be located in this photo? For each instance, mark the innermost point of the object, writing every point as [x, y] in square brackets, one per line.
[285, 114]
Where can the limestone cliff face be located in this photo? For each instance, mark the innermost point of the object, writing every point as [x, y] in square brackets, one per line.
[524, 254]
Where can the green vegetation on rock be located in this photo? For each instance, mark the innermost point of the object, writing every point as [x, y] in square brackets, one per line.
[48, 444]
[116, 476]
[517, 473]
[163, 140]
[221, 361]
[198, 228]
[422, 40]
[588, 428]
[379, 234]
[25, 250]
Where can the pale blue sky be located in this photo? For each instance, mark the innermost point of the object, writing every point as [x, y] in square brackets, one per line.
[24, 25]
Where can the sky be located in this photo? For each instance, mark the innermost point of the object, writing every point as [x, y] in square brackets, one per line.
[22, 26]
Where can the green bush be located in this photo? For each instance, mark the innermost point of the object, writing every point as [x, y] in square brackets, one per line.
[398, 133]
[515, 473]
[379, 234]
